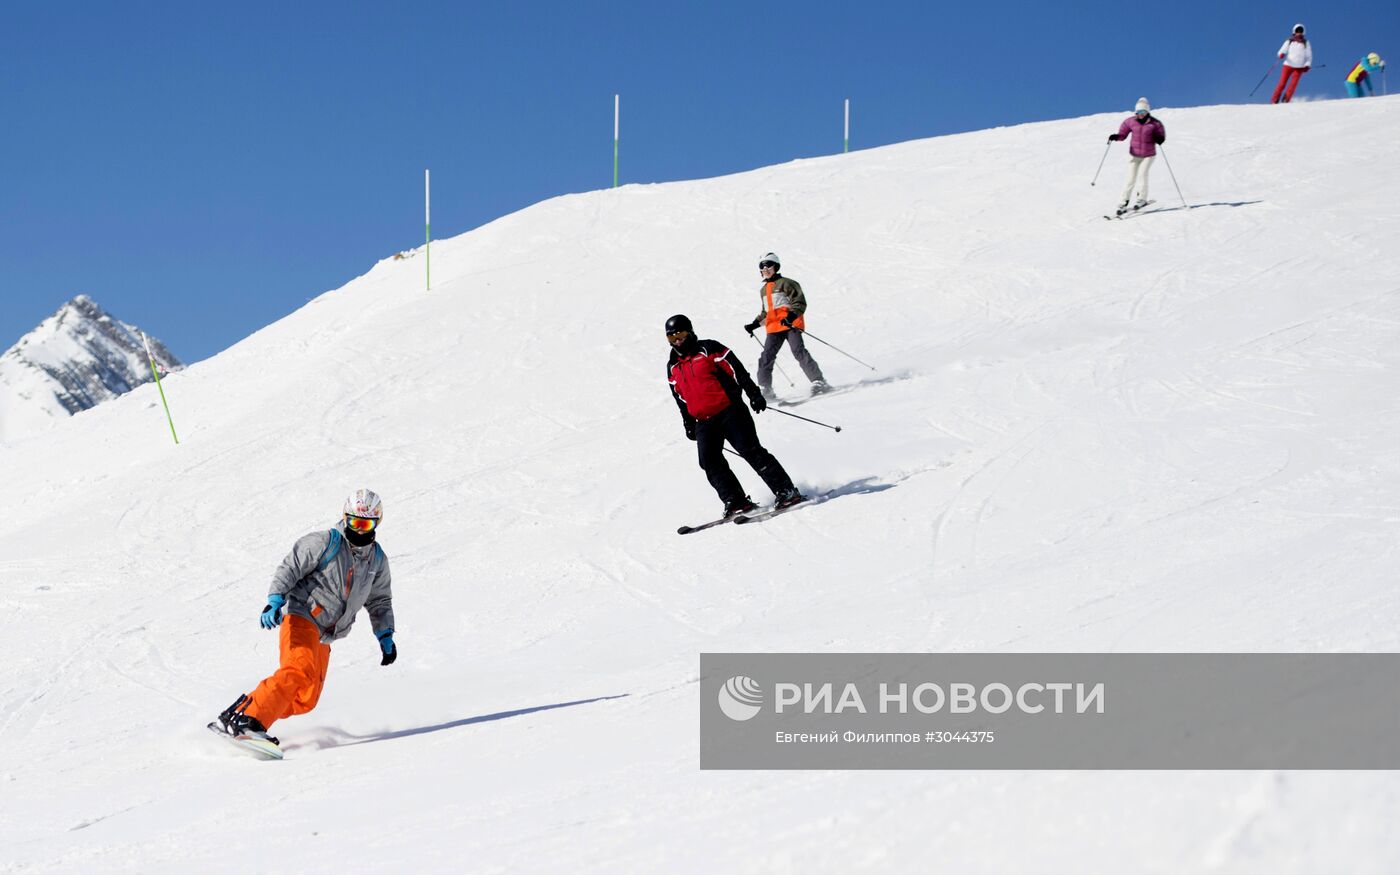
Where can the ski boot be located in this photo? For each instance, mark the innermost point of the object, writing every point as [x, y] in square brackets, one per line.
[738, 506]
[1122, 208]
[788, 497]
[820, 387]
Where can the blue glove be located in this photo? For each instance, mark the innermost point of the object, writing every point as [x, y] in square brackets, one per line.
[272, 614]
[386, 644]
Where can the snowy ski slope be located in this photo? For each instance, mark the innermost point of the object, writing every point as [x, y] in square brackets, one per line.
[1178, 433]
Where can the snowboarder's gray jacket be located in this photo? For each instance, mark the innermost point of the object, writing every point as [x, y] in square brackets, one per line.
[327, 580]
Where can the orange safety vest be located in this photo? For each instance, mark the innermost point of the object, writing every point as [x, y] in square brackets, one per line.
[774, 323]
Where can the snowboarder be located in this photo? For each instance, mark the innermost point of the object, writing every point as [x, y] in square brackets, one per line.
[1296, 54]
[706, 378]
[1361, 74]
[783, 307]
[1144, 133]
[318, 589]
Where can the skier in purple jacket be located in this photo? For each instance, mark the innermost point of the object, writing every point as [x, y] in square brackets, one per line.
[1143, 132]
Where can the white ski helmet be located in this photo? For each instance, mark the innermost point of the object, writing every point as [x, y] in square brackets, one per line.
[1142, 105]
[1298, 28]
[773, 257]
[364, 503]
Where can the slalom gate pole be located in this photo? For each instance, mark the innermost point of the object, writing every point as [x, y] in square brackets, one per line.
[1101, 161]
[154, 373]
[1261, 81]
[427, 232]
[775, 364]
[838, 349]
[1169, 170]
[805, 419]
[846, 147]
[617, 117]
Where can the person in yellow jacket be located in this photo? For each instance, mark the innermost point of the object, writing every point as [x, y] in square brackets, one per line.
[1361, 75]
[783, 309]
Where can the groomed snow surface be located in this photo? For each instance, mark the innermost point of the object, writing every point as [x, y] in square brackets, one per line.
[1175, 433]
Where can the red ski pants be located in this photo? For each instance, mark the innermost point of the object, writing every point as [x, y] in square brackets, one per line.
[296, 685]
[1293, 73]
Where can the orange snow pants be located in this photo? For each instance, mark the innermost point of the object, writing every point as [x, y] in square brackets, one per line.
[296, 685]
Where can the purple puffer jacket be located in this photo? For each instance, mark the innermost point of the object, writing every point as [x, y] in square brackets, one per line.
[1144, 135]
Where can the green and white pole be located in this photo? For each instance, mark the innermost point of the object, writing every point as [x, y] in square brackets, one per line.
[617, 115]
[155, 373]
[847, 146]
[427, 231]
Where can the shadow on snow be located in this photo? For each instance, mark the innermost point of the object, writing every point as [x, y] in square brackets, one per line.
[863, 486]
[1203, 206]
[345, 739]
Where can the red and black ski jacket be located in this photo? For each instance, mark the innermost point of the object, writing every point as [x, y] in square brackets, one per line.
[705, 379]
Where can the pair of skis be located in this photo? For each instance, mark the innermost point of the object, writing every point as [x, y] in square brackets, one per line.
[1135, 211]
[834, 390]
[752, 516]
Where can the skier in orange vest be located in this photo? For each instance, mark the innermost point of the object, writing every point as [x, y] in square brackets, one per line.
[783, 308]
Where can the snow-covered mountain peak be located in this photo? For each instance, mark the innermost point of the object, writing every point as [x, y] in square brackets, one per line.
[74, 360]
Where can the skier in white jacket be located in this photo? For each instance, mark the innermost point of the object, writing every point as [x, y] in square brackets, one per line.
[1297, 56]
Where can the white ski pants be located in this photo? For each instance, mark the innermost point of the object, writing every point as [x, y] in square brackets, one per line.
[1137, 169]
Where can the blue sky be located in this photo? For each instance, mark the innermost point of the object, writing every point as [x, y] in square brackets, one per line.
[204, 170]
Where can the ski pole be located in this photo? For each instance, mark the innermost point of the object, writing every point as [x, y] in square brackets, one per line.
[805, 419]
[1101, 161]
[1261, 81]
[1169, 170]
[775, 364]
[838, 349]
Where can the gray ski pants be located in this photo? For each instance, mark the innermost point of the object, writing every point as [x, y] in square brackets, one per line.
[772, 344]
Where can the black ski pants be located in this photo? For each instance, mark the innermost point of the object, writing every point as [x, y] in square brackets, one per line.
[736, 425]
[774, 342]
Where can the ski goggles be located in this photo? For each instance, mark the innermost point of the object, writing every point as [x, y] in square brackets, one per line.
[763, 264]
[363, 525]
[672, 335]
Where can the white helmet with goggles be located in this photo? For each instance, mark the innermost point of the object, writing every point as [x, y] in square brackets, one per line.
[363, 510]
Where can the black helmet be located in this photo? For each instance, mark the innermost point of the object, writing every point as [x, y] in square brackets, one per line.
[678, 323]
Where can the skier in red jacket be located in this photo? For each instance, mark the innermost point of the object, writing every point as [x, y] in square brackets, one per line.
[706, 379]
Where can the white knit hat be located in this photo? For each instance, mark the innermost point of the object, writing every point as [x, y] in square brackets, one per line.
[1142, 105]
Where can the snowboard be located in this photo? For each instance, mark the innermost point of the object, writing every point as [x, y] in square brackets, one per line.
[260, 748]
